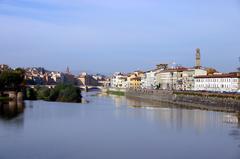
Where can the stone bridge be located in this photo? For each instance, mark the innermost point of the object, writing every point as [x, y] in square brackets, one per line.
[14, 95]
[85, 88]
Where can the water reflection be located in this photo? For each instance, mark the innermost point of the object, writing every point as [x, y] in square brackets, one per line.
[172, 116]
[235, 132]
[178, 118]
[11, 109]
[116, 127]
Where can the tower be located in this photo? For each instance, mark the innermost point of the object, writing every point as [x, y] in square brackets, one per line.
[68, 70]
[198, 58]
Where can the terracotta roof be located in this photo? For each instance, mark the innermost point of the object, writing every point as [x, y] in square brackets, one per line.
[136, 79]
[139, 71]
[122, 77]
[153, 70]
[180, 69]
[229, 75]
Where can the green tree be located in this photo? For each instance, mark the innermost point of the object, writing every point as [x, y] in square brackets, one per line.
[65, 93]
[69, 94]
[54, 93]
[12, 80]
[61, 93]
[43, 93]
[31, 94]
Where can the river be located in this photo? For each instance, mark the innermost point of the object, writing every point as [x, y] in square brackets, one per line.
[113, 127]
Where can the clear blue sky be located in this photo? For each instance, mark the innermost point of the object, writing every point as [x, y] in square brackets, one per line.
[119, 35]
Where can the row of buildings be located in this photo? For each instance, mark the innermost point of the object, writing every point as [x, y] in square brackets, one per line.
[197, 78]
[41, 76]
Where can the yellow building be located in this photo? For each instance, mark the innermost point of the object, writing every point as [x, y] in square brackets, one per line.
[134, 79]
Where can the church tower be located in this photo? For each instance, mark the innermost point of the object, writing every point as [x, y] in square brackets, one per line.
[68, 70]
[198, 58]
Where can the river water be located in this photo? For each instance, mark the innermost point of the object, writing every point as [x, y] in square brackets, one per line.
[113, 127]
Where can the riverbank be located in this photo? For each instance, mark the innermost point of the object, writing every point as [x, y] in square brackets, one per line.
[208, 101]
[115, 91]
[4, 99]
[60, 93]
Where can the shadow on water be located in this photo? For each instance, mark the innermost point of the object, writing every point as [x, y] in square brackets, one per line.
[10, 110]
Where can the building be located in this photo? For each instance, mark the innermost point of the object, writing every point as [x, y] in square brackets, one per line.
[198, 59]
[149, 81]
[56, 77]
[134, 79]
[69, 78]
[119, 80]
[40, 76]
[36, 76]
[170, 79]
[4, 67]
[179, 78]
[218, 82]
[188, 77]
[105, 83]
[87, 80]
[101, 80]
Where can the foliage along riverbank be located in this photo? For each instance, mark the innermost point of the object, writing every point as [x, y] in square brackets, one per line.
[61, 93]
[118, 93]
[4, 99]
[11, 80]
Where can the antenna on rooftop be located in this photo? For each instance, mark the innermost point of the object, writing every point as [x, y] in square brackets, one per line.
[174, 64]
[239, 64]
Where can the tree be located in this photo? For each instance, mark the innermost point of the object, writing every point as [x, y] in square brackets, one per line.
[31, 94]
[65, 93]
[211, 71]
[11, 79]
[43, 93]
[69, 94]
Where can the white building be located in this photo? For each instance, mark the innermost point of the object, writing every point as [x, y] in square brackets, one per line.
[218, 83]
[171, 79]
[188, 77]
[179, 78]
[119, 80]
[56, 77]
[148, 81]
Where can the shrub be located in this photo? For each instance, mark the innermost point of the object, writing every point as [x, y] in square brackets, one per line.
[65, 93]
[31, 94]
[43, 93]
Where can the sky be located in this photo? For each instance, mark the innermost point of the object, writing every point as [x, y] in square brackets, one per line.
[105, 36]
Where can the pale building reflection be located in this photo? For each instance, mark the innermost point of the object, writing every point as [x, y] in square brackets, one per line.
[235, 132]
[172, 116]
[118, 100]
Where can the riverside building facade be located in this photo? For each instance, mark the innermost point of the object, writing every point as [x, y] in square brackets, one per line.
[218, 82]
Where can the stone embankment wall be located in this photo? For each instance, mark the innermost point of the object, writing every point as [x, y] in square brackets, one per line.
[114, 90]
[187, 100]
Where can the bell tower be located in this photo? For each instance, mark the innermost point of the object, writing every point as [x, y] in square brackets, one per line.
[198, 59]
[68, 70]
